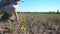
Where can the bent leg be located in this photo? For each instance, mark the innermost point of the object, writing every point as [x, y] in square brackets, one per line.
[11, 9]
[6, 16]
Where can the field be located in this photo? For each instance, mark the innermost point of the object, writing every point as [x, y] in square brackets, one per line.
[32, 24]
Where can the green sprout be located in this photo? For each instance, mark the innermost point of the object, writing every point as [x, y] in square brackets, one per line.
[11, 27]
[23, 28]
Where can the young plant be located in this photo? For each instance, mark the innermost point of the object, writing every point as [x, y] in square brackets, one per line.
[23, 28]
[11, 27]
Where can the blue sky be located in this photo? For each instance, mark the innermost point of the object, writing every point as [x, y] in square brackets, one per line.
[39, 5]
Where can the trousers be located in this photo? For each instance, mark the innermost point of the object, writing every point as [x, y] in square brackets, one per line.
[6, 16]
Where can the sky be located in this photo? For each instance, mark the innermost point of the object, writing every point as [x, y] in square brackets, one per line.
[39, 5]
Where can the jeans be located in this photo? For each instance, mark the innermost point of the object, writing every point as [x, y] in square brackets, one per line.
[6, 16]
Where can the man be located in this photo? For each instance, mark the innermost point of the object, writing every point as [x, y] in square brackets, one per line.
[8, 7]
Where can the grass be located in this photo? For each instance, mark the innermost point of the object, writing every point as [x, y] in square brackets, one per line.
[52, 22]
[35, 20]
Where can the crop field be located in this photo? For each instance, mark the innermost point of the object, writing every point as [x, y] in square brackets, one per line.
[32, 24]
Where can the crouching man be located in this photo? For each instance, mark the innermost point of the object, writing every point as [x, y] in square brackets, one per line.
[8, 7]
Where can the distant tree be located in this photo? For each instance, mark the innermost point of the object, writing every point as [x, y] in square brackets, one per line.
[57, 11]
